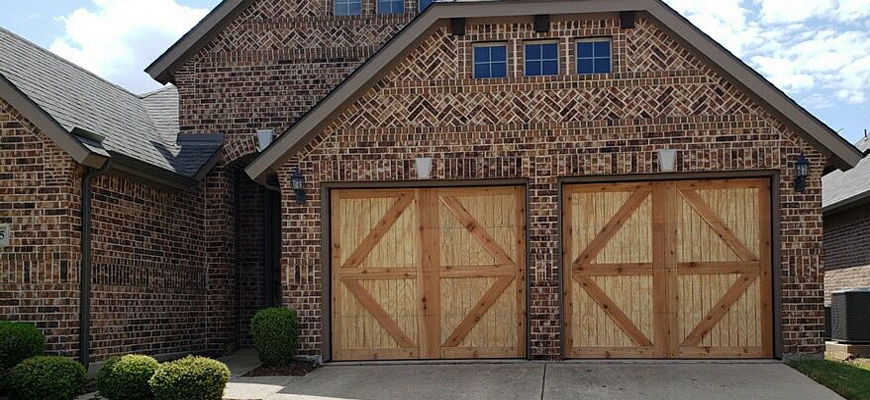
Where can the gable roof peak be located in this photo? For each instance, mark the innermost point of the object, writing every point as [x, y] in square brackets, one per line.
[840, 152]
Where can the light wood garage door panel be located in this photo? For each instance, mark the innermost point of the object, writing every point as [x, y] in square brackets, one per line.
[668, 270]
[428, 273]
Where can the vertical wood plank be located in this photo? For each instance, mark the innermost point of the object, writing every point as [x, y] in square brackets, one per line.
[660, 277]
[428, 274]
[337, 344]
[670, 264]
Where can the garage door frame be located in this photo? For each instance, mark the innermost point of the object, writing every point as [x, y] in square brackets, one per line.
[775, 262]
[326, 189]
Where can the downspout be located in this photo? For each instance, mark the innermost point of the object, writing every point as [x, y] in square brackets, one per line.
[86, 263]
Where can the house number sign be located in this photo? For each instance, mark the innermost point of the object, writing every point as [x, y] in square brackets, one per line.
[4, 235]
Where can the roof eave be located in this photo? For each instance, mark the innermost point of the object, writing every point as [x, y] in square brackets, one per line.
[840, 152]
[847, 204]
[164, 67]
[48, 125]
[151, 175]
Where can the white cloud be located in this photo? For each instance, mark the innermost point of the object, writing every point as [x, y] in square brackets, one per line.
[818, 101]
[836, 61]
[853, 10]
[818, 51]
[787, 11]
[724, 20]
[119, 38]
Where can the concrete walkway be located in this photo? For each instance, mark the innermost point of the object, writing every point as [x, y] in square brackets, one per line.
[537, 380]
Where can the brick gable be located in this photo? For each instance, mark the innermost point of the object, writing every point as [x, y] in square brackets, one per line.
[546, 129]
[275, 62]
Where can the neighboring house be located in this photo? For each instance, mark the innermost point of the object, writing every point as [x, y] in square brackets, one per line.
[551, 223]
[846, 207]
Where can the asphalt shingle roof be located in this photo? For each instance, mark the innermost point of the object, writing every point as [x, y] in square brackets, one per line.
[144, 127]
[838, 185]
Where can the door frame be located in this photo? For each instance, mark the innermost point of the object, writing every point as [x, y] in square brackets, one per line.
[326, 189]
[775, 251]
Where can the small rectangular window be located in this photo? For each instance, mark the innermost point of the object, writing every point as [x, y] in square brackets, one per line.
[593, 56]
[348, 7]
[542, 59]
[490, 61]
[425, 4]
[391, 6]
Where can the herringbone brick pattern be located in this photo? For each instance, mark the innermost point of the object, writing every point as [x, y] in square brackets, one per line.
[547, 129]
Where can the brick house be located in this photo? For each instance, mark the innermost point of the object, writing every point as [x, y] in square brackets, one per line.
[598, 177]
[847, 220]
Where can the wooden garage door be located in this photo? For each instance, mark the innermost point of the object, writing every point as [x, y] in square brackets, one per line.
[668, 270]
[428, 273]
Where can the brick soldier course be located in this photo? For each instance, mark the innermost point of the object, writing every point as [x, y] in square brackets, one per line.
[180, 269]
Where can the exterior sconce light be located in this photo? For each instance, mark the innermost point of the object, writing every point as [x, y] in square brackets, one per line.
[424, 167]
[667, 160]
[801, 172]
[297, 183]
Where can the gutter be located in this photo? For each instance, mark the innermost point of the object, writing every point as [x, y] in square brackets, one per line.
[86, 263]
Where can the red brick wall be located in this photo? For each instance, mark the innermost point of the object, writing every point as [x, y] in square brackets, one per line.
[149, 261]
[278, 59]
[275, 62]
[149, 281]
[39, 199]
[542, 129]
[847, 250]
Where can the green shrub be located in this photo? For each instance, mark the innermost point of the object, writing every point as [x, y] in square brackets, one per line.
[191, 378]
[3, 379]
[46, 378]
[276, 335]
[126, 378]
[18, 342]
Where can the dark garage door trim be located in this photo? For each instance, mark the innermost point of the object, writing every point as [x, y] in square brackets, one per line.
[325, 232]
[776, 276]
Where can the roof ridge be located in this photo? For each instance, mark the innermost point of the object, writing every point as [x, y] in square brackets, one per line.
[68, 62]
[156, 91]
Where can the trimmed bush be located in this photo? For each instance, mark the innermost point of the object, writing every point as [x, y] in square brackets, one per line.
[46, 378]
[127, 378]
[18, 342]
[276, 335]
[190, 378]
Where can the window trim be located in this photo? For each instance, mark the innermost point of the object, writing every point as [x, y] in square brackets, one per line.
[542, 41]
[491, 44]
[335, 8]
[378, 7]
[597, 39]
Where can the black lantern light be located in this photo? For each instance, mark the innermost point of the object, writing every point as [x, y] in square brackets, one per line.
[297, 183]
[801, 171]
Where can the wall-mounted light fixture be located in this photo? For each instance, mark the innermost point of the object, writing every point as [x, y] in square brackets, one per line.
[667, 160]
[424, 167]
[297, 183]
[801, 172]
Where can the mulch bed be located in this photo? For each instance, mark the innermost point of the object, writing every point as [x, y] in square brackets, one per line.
[297, 368]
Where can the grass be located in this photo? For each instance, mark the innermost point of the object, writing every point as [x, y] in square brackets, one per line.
[850, 380]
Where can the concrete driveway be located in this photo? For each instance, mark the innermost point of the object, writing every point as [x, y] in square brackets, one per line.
[533, 380]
